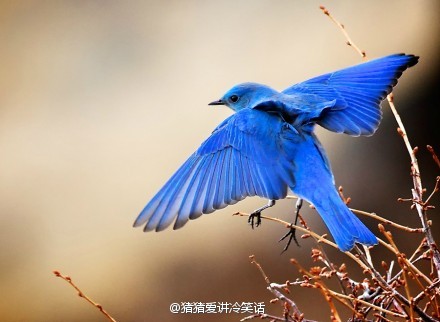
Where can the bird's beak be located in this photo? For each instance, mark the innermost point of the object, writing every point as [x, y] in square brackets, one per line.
[218, 102]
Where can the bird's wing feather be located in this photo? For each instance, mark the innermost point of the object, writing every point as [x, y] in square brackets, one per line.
[241, 158]
[358, 91]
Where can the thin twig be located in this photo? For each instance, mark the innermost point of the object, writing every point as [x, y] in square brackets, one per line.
[401, 262]
[434, 155]
[272, 289]
[253, 261]
[434, 191]
[328, 298]
[81, 294]
[426, 292]
[387, 221]
[393, 248]
[317, 237]
[428, 233]
[342, 28]
[375, 307]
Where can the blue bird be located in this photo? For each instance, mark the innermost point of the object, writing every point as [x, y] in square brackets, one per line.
[268, 146]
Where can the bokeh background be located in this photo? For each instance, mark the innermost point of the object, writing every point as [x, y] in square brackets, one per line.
[102, 100]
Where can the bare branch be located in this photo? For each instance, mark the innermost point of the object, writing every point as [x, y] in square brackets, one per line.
[434, 155]
[81, 294]
[342, 28]
[387, 221]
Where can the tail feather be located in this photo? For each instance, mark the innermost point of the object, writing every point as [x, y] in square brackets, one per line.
[344, 226]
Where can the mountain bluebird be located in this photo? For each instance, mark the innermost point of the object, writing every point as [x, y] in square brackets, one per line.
[268, 146]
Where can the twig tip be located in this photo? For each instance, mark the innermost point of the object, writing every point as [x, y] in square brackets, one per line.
[324, 10]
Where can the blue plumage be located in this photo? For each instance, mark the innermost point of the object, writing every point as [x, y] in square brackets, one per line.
[268, 147]
[358, 91]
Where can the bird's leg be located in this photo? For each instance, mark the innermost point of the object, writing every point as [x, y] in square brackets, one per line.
[257, 213]
[292, 230]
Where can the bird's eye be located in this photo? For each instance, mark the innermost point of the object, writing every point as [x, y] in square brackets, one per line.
[234, 98]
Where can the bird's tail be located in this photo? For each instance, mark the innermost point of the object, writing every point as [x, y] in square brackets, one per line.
[344, 226]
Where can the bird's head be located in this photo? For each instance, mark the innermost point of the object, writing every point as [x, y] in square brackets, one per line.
[246, 95]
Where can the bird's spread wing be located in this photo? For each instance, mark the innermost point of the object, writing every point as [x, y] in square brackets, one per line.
[241, 158]
[358, 91]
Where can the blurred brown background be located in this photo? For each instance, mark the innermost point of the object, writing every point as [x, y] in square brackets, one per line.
[102, 100]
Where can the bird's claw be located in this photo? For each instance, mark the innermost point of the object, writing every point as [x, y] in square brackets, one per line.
[257, 213]
[251, 219]
[292, 236]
